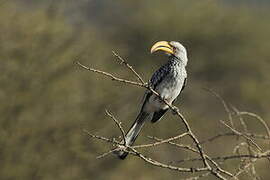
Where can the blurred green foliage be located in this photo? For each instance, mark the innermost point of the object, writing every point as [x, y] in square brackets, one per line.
[46, 99]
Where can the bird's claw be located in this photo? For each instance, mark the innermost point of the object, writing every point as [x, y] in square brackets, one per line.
[121, 147]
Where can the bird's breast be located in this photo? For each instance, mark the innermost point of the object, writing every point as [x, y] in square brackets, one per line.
[169, 88]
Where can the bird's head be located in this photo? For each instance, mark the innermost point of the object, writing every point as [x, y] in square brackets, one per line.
[171, 48]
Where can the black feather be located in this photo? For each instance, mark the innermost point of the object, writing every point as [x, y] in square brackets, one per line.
[158, 115]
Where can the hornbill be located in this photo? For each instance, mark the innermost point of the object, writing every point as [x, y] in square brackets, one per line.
[169, 80]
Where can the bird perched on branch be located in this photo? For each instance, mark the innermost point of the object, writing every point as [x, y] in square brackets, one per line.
[169, 80]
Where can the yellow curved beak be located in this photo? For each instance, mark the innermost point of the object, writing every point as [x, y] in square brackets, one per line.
[163, 46]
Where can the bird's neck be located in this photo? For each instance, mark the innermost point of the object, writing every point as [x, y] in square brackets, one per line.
[177, 60]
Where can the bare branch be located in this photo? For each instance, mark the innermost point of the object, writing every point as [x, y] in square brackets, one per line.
[123, 61]
[223, 103]
[241, 119]
[213, 138]
[162, 165]
[118, 125]
[258, 118]
[106, 153]
[243, 135]
[231, 157]
[112, 77]
[161, 142]
[198, 177]
[113, 141]
[243, 169]
[189, 148]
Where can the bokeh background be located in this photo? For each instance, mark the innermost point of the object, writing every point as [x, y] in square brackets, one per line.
[46, 100]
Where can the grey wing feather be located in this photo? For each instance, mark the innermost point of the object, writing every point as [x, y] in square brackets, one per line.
[159, 75]
[156, 78]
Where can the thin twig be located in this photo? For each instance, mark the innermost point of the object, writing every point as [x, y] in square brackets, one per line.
[162, 165]
[223, 103]
[189, 148]
[118, 125]
[161, 142]
[245, 127]
[134, 152]
[113, 141]
[224, 158]
[106, 153]
[243, 135]
[198, 177]
[243, 169]
[213, 138]
[112, 77]
[123, 61]
[241, 119]
[258, 118]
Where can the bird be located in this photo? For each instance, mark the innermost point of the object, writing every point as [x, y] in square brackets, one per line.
[169, 81]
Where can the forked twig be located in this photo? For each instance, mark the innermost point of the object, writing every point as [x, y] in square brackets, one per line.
[122, 61]
[226, 107]
[243, 135]
[118, 125]
[109, 75]
[259, 119]
[161, 142]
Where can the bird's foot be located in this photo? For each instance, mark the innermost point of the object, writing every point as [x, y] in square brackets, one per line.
[121, 151]
[175, 110]
[120, 147]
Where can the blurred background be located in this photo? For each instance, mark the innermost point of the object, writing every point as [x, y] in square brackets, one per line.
[46, 100]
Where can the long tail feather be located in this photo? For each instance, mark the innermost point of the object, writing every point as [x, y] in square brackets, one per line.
[133, 132]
